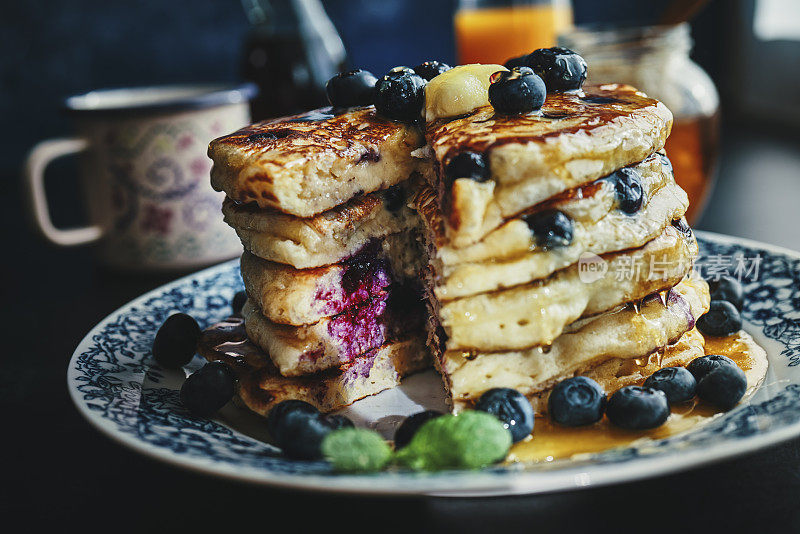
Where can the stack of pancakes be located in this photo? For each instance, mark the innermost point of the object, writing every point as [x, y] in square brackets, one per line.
[507, 308]
[320, 202]
[360, 246]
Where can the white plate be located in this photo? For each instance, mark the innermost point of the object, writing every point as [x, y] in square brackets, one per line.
[117, 386]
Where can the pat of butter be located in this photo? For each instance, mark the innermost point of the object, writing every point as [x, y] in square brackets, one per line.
[458, 90]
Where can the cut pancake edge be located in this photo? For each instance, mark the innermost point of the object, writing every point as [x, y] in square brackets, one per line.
[261, 385]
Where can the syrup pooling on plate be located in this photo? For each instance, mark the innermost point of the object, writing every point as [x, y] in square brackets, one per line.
[550, 441]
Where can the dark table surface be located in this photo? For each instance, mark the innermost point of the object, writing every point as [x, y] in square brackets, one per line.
[57, 470]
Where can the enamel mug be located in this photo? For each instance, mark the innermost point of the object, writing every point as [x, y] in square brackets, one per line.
[145, 175]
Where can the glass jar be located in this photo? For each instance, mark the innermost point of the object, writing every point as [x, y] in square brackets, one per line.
[492, 31]
[655, 60]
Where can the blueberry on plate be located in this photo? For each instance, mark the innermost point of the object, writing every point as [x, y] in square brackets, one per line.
[208, 389]
[551, 228]
[287, 411]
[400, 95]
[352, 88]
[238, 302]
[431, 69]
[628, 190]
[298, 428]
[175, 343]
[638, 408]
[727, 288]
[472, 165]
[512, 408]
[406, 430]
[700, 367]
[577, 401]
[337, 422]
[721, 319]
[676, 382]
[561, 69]
[723, 387]
[516, 91]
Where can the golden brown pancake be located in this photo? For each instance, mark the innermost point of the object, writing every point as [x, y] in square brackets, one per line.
[306, 164]
[575, 139]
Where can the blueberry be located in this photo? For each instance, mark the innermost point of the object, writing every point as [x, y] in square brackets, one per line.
[400, 95]
[551, 228]
[395, 198]
[577, 401]
[676, 382]
[721, 319]
[682, 226]
[431, 69]
[638, 408]
[512, 408]
[208, 389]
[516, 91]
[628, 189]
[298, 428]
[666, 163]
[238, 302]
[400, 70]
[337, 422]
[561, 69]
[700, 367]
[727, 288]
[286, 411]
[519, 61]
[175, 343]
[472, 165]
[352, 88]
[723, 387]
[410, 425]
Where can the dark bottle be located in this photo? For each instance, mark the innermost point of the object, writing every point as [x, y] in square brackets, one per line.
[291, 51]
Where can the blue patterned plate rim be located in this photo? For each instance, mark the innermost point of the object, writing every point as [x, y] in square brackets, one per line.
[119, 389]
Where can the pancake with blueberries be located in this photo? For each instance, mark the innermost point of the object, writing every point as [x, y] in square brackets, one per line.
[535, 314]
[490, 167]
[261, 386]
[305, 164]
[622, 211]
[335, 340]
[632, 331]
[292, 296]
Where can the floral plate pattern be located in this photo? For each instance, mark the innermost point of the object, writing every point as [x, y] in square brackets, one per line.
[119, 388]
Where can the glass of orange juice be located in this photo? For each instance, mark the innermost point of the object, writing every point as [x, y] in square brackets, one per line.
[492, 31]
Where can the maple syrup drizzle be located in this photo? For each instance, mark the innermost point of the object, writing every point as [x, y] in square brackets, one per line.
[550, 441]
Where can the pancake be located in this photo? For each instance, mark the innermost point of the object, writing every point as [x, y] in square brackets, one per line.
[536, 313]
[631, 331]
[302, 296]
[261, 386]
[306, 164]
[575, 139]
[509, 255]
[323, 239]
[333, 341]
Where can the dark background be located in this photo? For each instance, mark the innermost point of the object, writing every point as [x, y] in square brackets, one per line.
[56, 470]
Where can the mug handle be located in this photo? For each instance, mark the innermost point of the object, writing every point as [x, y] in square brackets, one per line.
[37, 161]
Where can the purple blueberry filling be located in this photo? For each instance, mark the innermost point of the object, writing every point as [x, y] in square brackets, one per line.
[361, 367]
[365, 276]
[359, 329]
